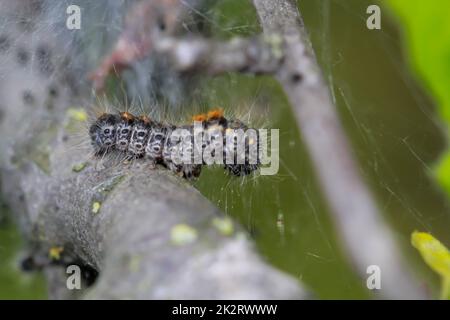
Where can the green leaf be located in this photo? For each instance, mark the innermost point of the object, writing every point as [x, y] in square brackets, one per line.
[427, 33]
[426, 30]
[436, 255]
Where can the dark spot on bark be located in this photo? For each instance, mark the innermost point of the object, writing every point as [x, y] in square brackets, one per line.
[53, 91]
[88, 274]
[296, 77]
[201, 26]
[2, 115]
[5, 43]
[161, 24]
[22, 56]
[43, 55]
[28, 264]
[28, 97]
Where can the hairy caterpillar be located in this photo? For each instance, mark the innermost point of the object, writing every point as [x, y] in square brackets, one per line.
[142, 137]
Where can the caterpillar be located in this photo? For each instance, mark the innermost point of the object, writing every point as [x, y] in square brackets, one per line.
[177, 147]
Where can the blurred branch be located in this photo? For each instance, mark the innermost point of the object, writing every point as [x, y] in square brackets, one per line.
[143, 36]
[367, 239]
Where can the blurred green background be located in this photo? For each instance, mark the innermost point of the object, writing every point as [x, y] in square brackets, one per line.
[391, 124]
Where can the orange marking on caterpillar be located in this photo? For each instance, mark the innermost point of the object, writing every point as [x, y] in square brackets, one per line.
[145, 119]
[200, 117]
[127, 116]
[215, 114]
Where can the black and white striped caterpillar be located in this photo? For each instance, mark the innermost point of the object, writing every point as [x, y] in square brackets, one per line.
[176, 147]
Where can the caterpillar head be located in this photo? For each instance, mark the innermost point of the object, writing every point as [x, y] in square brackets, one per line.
[139, 136]
[124, 130]
[103, 131]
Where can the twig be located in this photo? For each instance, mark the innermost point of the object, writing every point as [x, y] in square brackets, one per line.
[256, 56]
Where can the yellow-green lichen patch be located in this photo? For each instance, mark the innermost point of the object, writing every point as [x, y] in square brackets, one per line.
[144, 286]
[182, 234]
[77, 114]
[55, 252]
[224, 225]
[79, 166]
[75, 120]
[96, 205]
